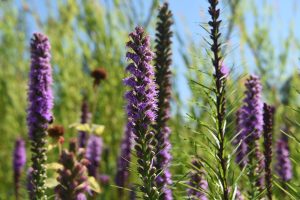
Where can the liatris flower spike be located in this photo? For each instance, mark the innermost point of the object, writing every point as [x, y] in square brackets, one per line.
[163, 61]
[251, 127]
[283, 166]
[124, 159]
[219, 88]
[39, 111]
[242, 150]
[268, 135]
[85, 118]
[93, 154]
[72, 177]
[19, 160]
[141, 109]
[197, 182]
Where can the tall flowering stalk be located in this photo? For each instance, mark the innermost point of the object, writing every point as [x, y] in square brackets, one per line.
[123, 163]
[39, 111]
[19, 160]
[251, 126]
[220, 76]
[93, 154]
[141, 109]
[163, 62]
[73, 176]
[283, 166]
[268, 132]
[197, 182]
[85, 116]
[242, 149]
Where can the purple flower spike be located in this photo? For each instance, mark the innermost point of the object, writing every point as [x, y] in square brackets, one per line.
[283, 165]
[40, 93]
[268, 135]
[72, 177]
[141, 108]
[252, 110]
[124, 160]
[85, 117]
[39, 113]
[241, 158]
[93, 154]
[197, 182]
[19, 160]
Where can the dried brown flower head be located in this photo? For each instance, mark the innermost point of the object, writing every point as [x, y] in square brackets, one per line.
[98, 74]
[56, 131]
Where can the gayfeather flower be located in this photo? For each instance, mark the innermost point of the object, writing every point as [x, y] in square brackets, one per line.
[72, 177]
[19, 160]
[197, 182]
[163, 61]
[85, 117]
[250, 127]
[241, 157]
[141, 108]
[93, 154]
[283, 166]
[252, 110]
[123, 163]
[268, 132]
[39, 111]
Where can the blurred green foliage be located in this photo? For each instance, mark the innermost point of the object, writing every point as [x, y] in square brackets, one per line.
[89, 34]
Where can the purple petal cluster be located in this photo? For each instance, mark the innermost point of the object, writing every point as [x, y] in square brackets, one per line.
[142, 107]
[72, 177]
[283, 166]
[197, 182]
[252, 111]
[142, 102]
[39, 113]
[40, 93]
[85, 116]
[123, 163]
[93, 154]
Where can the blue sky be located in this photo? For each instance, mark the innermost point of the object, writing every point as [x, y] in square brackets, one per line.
[278, 15]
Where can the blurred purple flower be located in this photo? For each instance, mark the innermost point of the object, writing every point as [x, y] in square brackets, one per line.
[241, 157]
[123, 163]
[93, 154]
[72, 177]
[283, 166]
[252, 110]
[197, 182]
[85, 117]
[19, 160]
